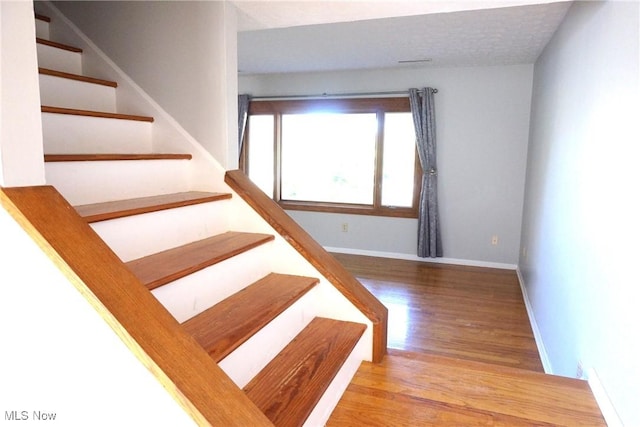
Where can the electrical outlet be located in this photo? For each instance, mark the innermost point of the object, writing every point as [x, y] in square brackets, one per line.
[494, 240]
[580, 370]
[345, 227]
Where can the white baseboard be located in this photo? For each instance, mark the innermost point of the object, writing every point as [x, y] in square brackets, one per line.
[396, 255]
[544, 357]
[602, 398]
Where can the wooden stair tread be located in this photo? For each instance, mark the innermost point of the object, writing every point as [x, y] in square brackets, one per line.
[225, 326]
[313, 252]
[42, 17]
[290, 386]
[58, 45]
[121, 208]
[113, 157]
[166, 266]
[78, 77]
[427, 357]
[465, 391]
[99, 114]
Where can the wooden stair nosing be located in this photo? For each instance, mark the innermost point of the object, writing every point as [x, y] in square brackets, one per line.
[96, 212]
[42, 17]
[78, 77]
[52, 158]
[98, 114]
[227, 325]
[290, 386]
[58, 45]
[536, 397]
[164, 267]
[497, 370]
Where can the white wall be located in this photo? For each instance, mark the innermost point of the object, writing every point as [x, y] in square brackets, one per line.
[21, 150]
[581, 216]
[482, 121]
[59, 356]
[182, 53]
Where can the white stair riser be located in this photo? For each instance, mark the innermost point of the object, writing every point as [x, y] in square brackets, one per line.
[329, 400]
[191, 295]
[67, 93]
[141, 235]
[59, 59]
[255, 353]
[42, 29]
[65, 133]
[92, 182]
[134, 237]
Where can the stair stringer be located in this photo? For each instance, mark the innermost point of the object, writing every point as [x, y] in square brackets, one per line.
[78, 342]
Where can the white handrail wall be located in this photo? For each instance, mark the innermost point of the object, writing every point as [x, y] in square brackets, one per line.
[21, 152]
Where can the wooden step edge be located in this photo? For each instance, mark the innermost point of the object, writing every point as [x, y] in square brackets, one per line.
[58, 45]
[313, 252]
[42, 17]
[52, 158]
[172, 264]
[78, 77]
[227, 325]
[474, 365]
[291, 385]
[99, 114]
[104, 211]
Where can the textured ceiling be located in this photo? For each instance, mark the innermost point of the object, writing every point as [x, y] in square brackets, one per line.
[264, 14]
[499, 36]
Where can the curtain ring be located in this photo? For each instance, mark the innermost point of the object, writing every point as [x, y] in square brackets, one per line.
[433, 172]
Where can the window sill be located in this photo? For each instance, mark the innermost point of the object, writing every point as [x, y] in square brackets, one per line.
[349, 209]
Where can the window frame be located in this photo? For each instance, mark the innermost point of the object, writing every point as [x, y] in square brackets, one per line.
[379, 106]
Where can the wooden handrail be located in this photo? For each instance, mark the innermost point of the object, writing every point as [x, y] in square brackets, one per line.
[182, 366]
[311, 250]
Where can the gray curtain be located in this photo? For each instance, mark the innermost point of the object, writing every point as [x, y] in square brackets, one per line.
[243, 111]
[422, 109]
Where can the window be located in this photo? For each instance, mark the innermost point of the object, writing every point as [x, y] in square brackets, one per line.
[347, 155]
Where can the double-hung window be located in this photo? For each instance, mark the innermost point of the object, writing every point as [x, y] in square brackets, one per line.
[335, 155]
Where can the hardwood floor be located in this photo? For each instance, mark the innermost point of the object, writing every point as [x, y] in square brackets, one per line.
[461, 353]
[469, 313]
[420, 389]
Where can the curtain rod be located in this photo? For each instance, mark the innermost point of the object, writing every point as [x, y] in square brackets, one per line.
[337, 95]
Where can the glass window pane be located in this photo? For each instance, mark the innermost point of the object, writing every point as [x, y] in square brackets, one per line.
[261, 131]
[328, 157]
[398, 160]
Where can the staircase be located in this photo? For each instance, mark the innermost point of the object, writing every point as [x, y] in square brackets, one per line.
[275, 322]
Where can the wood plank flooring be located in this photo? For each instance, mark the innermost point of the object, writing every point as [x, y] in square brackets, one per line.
[420, 389]
[469, 313]
[461, 353]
